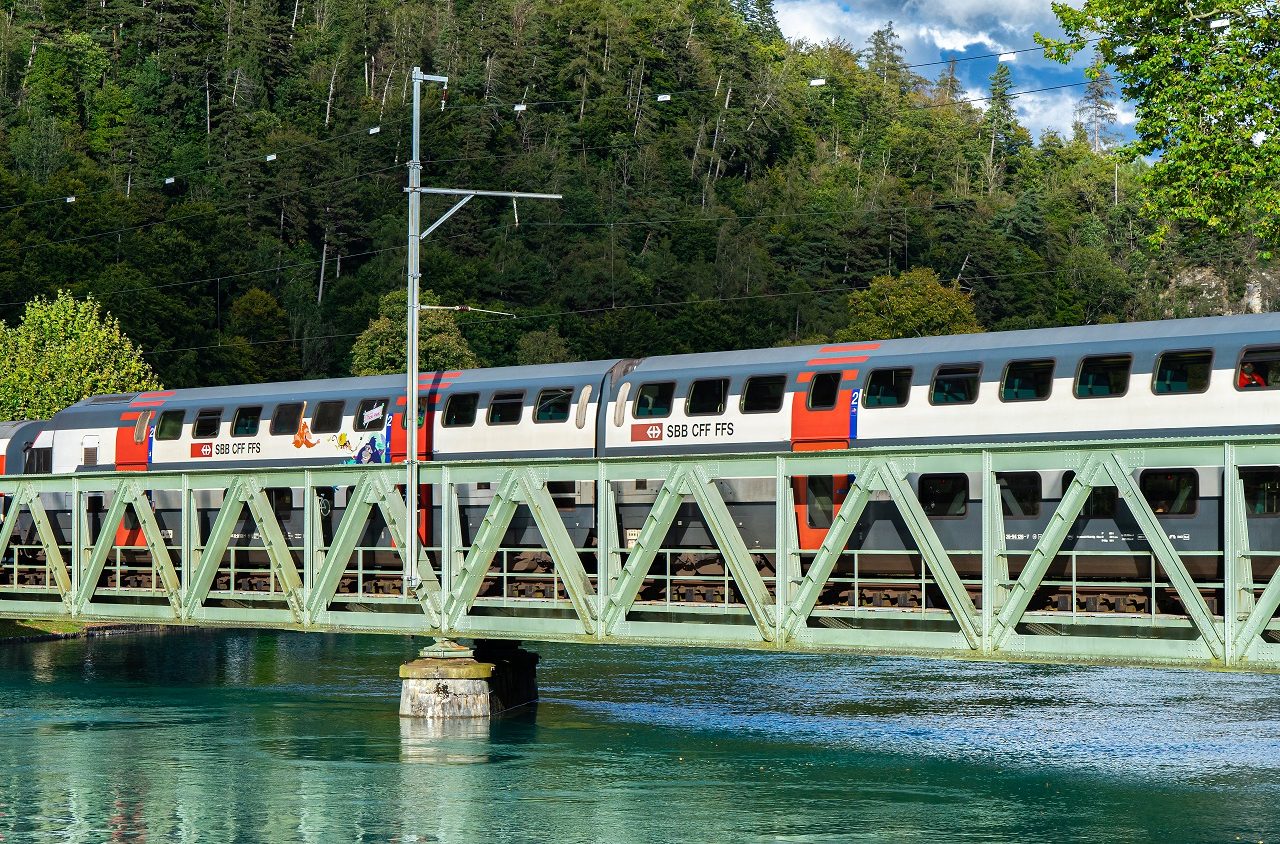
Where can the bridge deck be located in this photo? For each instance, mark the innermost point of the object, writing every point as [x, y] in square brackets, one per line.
[320, 550]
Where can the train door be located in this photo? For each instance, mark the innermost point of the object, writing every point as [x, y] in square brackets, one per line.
[133, 442]
[400, 450]
[822, 419]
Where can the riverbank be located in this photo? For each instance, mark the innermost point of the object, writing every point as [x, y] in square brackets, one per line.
[16, 631]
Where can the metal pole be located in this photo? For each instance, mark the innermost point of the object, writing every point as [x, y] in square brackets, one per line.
[411, 369]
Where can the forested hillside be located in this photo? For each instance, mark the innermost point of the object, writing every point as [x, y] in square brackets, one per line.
[236, 213]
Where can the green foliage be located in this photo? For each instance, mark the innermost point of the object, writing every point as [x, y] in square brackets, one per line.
[1204, 78]
[542, 347]
[914, 304]
[380, 349]
[62, 351]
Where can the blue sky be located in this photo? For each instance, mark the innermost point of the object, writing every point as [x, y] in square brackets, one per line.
[933, 30]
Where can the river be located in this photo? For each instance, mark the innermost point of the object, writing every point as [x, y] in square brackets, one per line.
[278, 737]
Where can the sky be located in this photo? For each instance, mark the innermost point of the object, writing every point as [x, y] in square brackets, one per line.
[937, 30]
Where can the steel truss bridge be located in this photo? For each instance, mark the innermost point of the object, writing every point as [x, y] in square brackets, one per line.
[232, 563]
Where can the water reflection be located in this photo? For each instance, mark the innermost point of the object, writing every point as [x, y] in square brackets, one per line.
[243, 736]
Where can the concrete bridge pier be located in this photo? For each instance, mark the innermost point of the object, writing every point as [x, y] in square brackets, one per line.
[449, 680]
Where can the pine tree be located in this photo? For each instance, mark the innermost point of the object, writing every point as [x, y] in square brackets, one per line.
[1097, 109]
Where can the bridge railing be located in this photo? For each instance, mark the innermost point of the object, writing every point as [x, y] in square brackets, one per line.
[669, 551]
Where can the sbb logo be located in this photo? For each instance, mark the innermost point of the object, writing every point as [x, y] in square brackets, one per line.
[649, 432]
[202, 449]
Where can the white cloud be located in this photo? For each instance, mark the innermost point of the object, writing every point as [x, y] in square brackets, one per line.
[956, 39]
[824, 20]
[1047, 110]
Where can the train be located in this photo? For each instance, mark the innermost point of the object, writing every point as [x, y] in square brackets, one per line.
[1206, 376]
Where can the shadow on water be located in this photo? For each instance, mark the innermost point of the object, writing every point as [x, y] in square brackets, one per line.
[258, 736]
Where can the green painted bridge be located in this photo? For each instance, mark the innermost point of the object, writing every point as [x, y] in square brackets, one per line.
[321, 550]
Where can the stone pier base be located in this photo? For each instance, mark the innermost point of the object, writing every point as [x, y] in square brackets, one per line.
[450, 681]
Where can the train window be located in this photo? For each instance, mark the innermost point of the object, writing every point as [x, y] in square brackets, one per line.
[1019, 494]
[371, 414]
[327, 418]
[1027, 380]
[553, 405]
[143, 426]
[1182, 372]
[506, 408]
[888, 388]
[944, 496]
[1259, 369]
[820, 498]
[285, 420]
[207, 423]
[763, 394]
[654, 400]
[422, 414]
[955, 384]
[1103, 375]
[245, 422]
[170, 425]
[1101, 503]
[1261, 490]
[460, 410]
[707, 397]
[38, 461]
[1171, 492]
[824, 390]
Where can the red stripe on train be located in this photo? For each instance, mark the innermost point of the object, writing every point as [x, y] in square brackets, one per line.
[835, 361]
[852, 347]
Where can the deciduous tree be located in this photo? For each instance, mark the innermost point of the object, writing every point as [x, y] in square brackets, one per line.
[914, 304]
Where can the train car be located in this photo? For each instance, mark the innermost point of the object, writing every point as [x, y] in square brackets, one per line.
[1204, 376]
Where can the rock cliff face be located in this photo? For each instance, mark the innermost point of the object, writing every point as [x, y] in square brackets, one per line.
[1205, 291]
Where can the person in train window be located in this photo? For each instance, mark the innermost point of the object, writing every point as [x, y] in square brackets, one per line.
[1249, 378]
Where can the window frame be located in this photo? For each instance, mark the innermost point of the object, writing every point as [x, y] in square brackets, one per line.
[568, 410]
[813, 382]
[1257, 470]
[746, 386]
[204, 413]
[275, 418]
[671, 401]
[1004, 376]
[322, 407]
[357, 420]
[507, 397]
[977, 381]
[182, 421]
[1039, 487]
[1160, 356]
[424, 405]
[235, 419]
[1195, 490]
[1128, 382]
[724, 396]
[967, 492]
[448, 403]
[1235, 373]
[866, 387]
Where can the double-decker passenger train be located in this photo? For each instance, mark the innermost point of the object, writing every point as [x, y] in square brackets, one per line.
[1216, 375]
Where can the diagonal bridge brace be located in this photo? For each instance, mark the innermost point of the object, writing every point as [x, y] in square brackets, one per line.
[129, 493]
[27, 496]
[372, 490]
[696, 482]
[523, 486]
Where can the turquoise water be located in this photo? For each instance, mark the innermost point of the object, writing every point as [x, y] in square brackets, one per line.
[252, 736]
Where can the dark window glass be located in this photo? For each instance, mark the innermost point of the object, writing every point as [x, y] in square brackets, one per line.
[281, 498]
[820, 498]
[654, 400]
[1101, 503]
[284, 422]
[707, 397]
[1019, 494]
[327, 418]
[460, 410]
[1183, 372]
[39, 461]
[763, 394]
[245, 422]
[553, 405]
[1171, 492]
[1261, 490]
[824, 390]
[1027, 380]
[1104, 375]
[422, 413]
[564, 494]
[888, 388]
[1259, 369]
[955, 385]
[206, 425]
[505, 408]
[371, 414]
[944, 496]
[170, 425]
